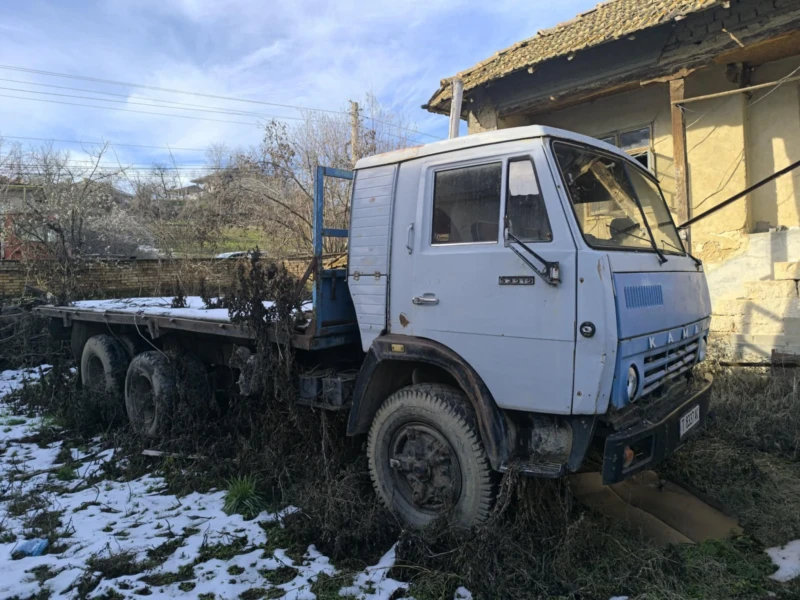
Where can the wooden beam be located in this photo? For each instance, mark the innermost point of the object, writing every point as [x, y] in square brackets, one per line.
[677, 92]
[744, 90]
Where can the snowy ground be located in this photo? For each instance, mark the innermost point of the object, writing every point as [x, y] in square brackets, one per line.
[160, 545]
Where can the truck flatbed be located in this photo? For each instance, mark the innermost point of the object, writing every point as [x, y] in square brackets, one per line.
[156, 316]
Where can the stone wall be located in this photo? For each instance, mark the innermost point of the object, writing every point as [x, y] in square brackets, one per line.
[755, 298]
[118, 278]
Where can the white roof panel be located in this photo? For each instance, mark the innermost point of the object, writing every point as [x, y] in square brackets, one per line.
[481, 139]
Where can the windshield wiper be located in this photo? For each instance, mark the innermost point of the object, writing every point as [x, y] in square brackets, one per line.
[696, 260]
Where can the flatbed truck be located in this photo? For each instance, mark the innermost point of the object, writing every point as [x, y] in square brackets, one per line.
[511, 299]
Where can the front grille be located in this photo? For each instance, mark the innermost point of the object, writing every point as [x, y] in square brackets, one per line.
[664, 365]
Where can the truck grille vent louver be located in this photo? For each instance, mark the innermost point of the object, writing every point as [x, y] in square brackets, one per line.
[664, 365]
[641, 296]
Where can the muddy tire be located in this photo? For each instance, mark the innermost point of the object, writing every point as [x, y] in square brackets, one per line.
[426, 458]
[196, 394]
[104, 363]
[150, 392]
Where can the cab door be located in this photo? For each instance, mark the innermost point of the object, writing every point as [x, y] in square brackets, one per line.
[472, 293]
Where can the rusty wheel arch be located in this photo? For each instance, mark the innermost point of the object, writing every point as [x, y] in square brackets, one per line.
[396, 361]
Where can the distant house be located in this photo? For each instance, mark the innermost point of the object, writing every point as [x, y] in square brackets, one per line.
[22, 237]
[703, 92]
[14, 244]
[186, 193]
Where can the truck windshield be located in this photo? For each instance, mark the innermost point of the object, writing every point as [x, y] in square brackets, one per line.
[612, 199]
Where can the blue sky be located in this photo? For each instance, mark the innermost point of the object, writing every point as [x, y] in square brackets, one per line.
[309, 53]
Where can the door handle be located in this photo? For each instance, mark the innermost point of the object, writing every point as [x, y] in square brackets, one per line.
[410, 238]
[425, 300]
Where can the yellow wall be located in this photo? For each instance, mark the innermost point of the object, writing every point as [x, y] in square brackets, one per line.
[773, 135]
[715, 145]
[646, 106]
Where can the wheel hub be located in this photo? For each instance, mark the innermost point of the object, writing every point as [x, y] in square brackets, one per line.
[425, 467]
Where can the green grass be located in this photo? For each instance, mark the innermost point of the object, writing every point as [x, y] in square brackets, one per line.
[243, 497]
[65, 473]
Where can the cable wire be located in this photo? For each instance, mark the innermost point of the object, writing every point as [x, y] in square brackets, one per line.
[37, 139]
[130, 110]
[201, 94]
[208, 110]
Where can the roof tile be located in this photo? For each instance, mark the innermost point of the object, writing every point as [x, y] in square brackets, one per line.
[606, 22]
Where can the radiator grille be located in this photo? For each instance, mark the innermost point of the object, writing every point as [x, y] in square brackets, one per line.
[641, 296]
[662, 365]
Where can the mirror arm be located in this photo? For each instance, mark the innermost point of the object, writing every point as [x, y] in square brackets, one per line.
[551, 272]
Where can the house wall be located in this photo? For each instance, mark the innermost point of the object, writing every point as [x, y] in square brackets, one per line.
[732, 142]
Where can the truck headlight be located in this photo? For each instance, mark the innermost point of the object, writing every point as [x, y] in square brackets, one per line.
[702, 348]
[632, 383]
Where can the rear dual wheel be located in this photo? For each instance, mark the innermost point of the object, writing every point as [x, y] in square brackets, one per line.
[154, 385]
[104, 362]
[426, 457]
[124, 382]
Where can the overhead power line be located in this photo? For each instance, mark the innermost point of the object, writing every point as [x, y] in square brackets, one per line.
[201, 94]
[101, 143]
[130, 110]
[127, 96]
[208, 110]
[158, 114]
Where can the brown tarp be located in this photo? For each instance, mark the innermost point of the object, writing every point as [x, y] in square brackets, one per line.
[659, 510]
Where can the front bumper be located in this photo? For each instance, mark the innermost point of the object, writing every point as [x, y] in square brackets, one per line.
[654, 438]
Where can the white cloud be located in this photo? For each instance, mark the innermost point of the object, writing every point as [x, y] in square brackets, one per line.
[307, 52]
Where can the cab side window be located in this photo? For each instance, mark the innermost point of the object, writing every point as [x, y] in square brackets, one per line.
[466, 204]
[527, 215]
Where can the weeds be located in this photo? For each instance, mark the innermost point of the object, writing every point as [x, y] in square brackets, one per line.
[243, 498]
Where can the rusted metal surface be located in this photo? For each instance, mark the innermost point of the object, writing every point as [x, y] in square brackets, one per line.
[157, 326]
[425, 468]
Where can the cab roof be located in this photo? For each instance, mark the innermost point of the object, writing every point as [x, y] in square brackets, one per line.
[482, 139]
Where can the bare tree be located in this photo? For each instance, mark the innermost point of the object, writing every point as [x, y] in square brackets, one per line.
[273, 185]
[67, 212]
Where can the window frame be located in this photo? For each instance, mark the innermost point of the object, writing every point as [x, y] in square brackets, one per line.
[507, 190]
[634, 152]
[453, 167]
[630, 162]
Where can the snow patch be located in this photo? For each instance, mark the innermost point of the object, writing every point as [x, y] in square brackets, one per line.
[162, 307]
[787, 559]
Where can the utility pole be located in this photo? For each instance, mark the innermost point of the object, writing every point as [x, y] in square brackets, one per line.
[354, 123]
[455, 106]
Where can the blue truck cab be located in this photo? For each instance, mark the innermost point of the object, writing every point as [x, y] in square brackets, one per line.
[532, 281]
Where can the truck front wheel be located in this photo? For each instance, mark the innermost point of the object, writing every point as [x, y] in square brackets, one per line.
[426, 457]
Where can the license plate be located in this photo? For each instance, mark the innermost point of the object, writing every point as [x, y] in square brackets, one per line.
[689, 420]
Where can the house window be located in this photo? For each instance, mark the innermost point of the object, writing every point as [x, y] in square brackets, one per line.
[527, 215]
[636, 142]
[466, 204]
